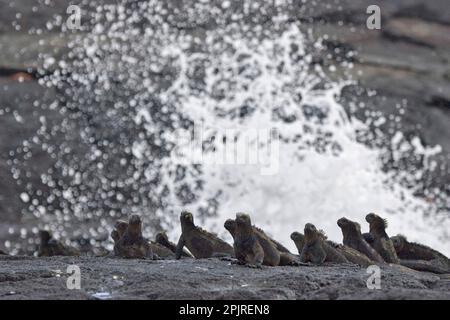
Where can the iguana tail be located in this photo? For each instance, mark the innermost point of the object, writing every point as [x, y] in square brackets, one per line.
[433, 266]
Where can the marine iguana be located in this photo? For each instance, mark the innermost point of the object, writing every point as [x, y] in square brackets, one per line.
[353, 238]
[119, 230]
[420, 257]
[277, 244]
[161, 251]
[49, 246]
[200, 243]
[286, 258]
[247, 247]
[350, 254]
[299, 241]
[381, 241]
[163, 239]
[353, 255]
[317, 250]
[132, 245]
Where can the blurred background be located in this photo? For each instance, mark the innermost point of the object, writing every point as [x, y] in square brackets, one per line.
[87, 115]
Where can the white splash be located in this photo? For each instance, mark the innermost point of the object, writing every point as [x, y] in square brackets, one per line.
[316, 187]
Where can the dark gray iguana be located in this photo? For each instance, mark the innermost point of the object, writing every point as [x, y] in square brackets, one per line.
[381, 241]
[285, 257]
[317, 250]
[200, 243]
[420, 257]
[353, 238]
[247, 248]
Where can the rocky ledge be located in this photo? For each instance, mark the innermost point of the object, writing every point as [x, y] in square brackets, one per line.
[111, 278]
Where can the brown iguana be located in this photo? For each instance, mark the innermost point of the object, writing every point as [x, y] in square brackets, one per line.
[381, 241]
[163, 239]
[317, 250]
[119, 230]
[159, 251]
[200, 243]
[350, 254]
[299, 240]
[132, 244]
[420, 257]
[353, 238]
[285, 258]
[353, 255]
[49, 246]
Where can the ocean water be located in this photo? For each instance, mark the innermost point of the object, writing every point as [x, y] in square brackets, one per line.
[148, 79]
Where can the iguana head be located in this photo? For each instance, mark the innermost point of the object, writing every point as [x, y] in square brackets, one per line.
[312, 234]
[297, 236]
[161, 237]
[299, 240]
[399, 242]
[349, 227]
[186, 219]
[134, 227]
[44, 236]
[121, 226]
[376, 222]
[230, 225]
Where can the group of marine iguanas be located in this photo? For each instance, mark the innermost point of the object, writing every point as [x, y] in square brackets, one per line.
[253, 247]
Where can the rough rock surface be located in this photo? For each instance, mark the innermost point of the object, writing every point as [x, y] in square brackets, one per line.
[111, 278]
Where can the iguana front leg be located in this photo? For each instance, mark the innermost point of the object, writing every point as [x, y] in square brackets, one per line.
[318, 259]
[180, 246]
[304, 256]
[227, 258]
[313, 255]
